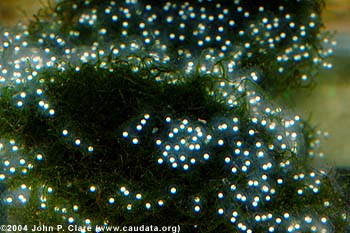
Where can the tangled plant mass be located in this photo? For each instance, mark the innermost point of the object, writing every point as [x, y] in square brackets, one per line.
[130, 112]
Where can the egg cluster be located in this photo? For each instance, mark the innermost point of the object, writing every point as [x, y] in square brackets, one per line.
[185, 146]
[15, 161]
[255, 148]
[271, 37]
[257, 169]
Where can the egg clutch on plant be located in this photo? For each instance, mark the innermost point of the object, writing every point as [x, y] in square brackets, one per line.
[130, 112]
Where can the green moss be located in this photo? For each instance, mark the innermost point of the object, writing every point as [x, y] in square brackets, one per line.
[96, 106]
[78, 121]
